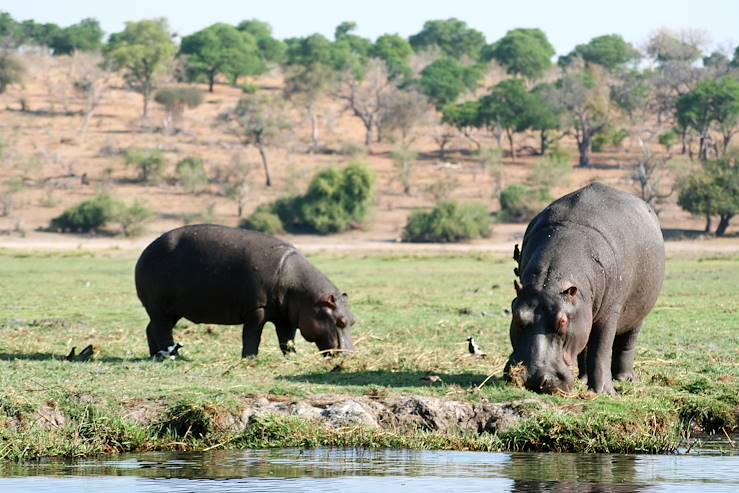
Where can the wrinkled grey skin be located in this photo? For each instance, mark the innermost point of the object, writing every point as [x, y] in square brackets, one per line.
[591, 267]
[215, 274]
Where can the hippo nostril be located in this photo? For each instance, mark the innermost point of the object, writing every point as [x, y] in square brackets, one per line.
[545, 383]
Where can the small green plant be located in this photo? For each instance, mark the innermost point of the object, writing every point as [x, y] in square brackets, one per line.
[554, 170]
[175, 100]
[247, 88]
[87, 216]
[132, 218]
[668, 139]
[191, 175]
[404, 161]
[520, 203]
[207, 216]
[613, 137]
[263, 220]
[448, 222]
[491, 162]
[149, 162]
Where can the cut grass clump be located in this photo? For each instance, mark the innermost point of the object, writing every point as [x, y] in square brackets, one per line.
[183, 419]
[448, 222]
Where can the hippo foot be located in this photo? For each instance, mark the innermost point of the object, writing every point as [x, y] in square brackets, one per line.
[626, 376]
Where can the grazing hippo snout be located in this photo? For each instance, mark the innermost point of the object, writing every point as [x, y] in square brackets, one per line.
[546, 382]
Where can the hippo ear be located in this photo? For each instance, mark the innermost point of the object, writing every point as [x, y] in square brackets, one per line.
[570, 293]
[562, 322]
[345, 296]
[329, 301]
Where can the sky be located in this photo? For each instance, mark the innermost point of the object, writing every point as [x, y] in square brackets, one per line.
[566, 22]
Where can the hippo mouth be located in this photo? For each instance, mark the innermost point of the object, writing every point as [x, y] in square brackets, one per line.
[542, 382]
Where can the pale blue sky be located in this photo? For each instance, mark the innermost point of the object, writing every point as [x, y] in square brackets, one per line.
[566, 22]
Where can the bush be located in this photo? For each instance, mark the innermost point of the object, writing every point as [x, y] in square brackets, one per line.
[191, 175]
[132, 218]
[336, 201]
[178, 98]
[519, 203]
[149, 162]
[554, 170]
[88, 216]
[247, 88]
[668, 139]
[448, 222]
[614, 137]
[263, 220]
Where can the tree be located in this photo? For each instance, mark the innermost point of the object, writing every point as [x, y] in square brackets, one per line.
[42, 34]
[11, 70]
[545, 114]
[350, 52]
[509, 104]
[175, 100]
[404, 160]
[143, 51]
[309, 51]
[465, 117]
[713, 191]
[258, 121]
[444, 80]
[524, 52]
[222, 49]
[270, 49]
[453, 37]
[712, 102]
[403, 111]
[609, 51]
[588, 111]
[366, 97]
[632, 94]
[86, 35]
[306, 86]
[666, 46]
[91, 83]
[396, 52]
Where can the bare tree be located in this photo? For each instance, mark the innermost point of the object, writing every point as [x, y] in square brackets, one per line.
[305, 87]
[648, 177]
[403, 112]
[91, 83]
[366, 97]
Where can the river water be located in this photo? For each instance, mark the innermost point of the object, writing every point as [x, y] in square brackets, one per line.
[361, 470]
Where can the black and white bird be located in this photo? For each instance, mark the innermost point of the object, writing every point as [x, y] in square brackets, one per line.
[474, 349]
[171, 352]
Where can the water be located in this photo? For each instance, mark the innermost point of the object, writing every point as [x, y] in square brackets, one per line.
[359, 470]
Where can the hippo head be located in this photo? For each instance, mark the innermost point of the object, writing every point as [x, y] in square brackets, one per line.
[328, 323]
[548, 331]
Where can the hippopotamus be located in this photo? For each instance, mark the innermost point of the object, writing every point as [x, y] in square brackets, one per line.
[216, 274]
[591, 268]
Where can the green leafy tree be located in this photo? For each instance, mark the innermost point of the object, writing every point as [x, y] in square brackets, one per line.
[632, 93]
[143, 52]
[222, 49]
[444, 80]
[86, 35]
[510, 105]
[545, 114]
[396, 52]
[270, 49]
[309, 50]
[465, 117]
[350, 52]
[42, 34]
[609, 51]
[713, 191]
[712, 102]
[524, 52]
[175, 100]
[11, 70]
[11, 34]
[453, 37]
[258, 121]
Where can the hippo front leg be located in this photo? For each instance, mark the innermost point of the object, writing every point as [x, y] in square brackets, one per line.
[582, 366]
[598, 358]
[624, 350]
[252, 333]
[286, 336]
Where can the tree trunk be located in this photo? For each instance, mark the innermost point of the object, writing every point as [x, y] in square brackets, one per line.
[510, 142]
[145, 114]
[263, 154]
[211, 81]
[708, 223]
[584, 147]
[544, 142]
[723, 224]
[684, 141]
[703, 148]
[369, 125]
[313, 132]
[442, 149]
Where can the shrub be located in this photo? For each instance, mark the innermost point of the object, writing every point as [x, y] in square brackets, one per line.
[263, 220]
[88, 216]
[520, 203]
[191, 175]
[553, 170]
[614, 137]
[132, 218]
[149, 162]
[668, 139]
[178, 98]
[247, 88]
[448, 222]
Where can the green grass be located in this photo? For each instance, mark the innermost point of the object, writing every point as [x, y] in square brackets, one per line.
[414, 314]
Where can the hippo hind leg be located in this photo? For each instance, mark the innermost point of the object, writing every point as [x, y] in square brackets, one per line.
[252, 333]
[624, 350]
[159, 332]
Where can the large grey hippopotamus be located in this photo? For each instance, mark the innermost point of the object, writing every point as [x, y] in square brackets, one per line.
[591, 267]
[216, 274]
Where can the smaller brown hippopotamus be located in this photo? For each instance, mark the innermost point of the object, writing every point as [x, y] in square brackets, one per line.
[220, 275]
[591, 268]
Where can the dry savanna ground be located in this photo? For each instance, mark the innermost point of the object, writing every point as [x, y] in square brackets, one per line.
[43, 145]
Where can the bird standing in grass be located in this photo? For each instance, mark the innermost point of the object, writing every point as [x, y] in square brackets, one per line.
[171, 352]
[474, 349]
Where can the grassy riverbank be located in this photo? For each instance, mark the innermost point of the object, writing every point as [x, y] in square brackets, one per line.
[414, 314]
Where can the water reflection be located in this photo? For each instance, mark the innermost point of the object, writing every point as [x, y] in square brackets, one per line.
[361, 470]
